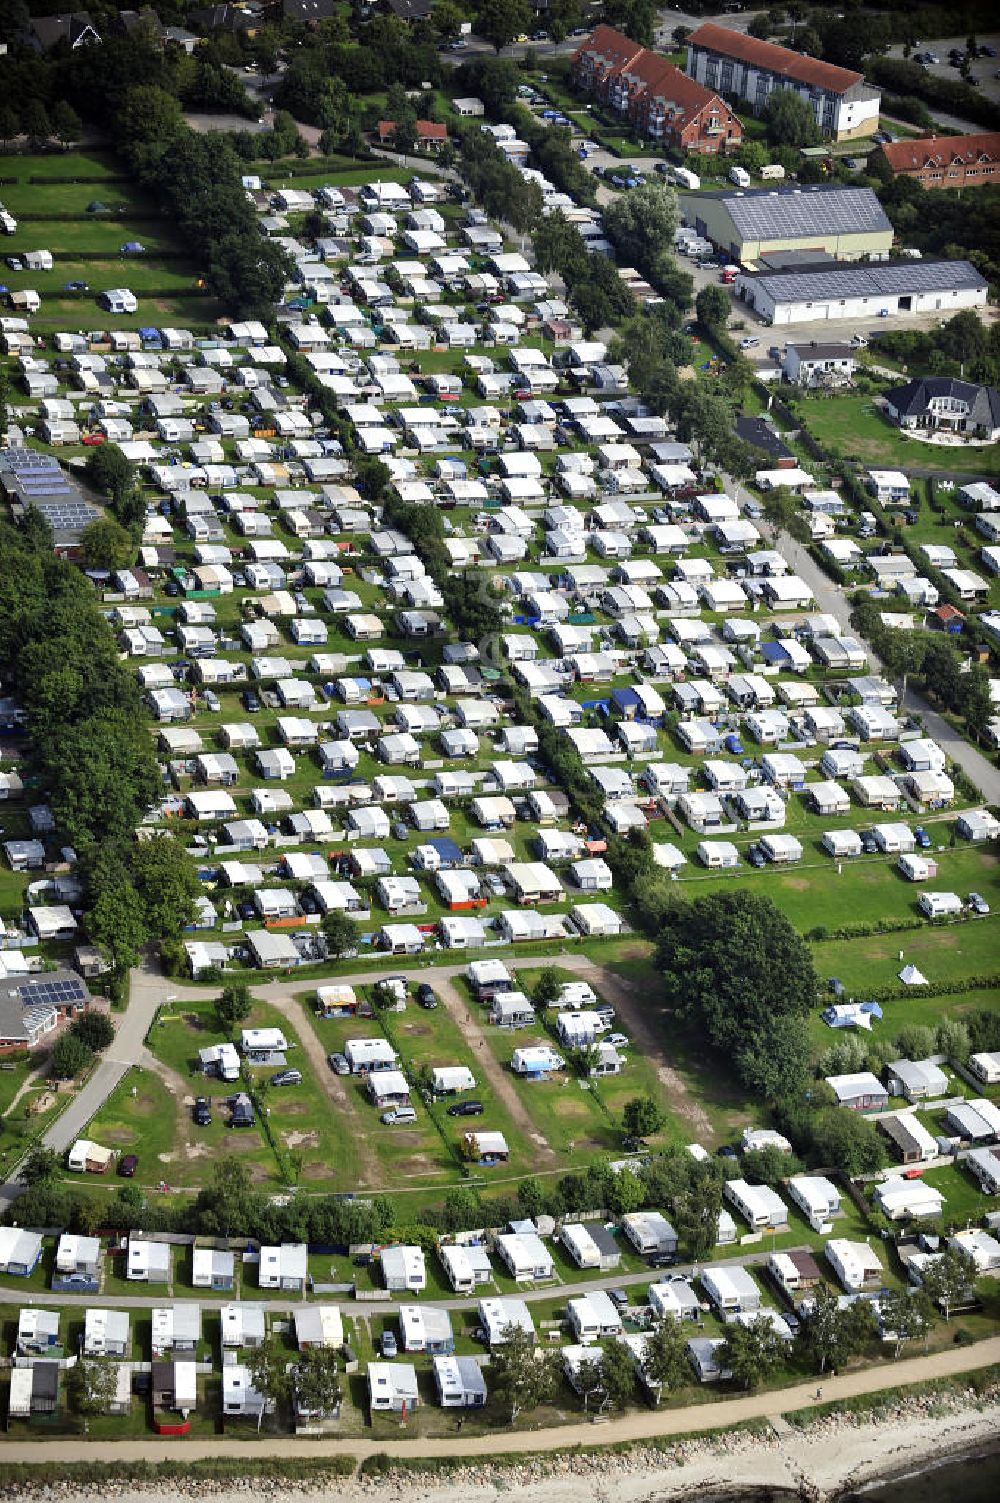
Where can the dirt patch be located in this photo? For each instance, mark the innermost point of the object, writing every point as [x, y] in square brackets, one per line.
[196, 1021]
[196, 1151]
[244, 1142]
[166, 1158]
[294, 1108]
[500, 1082]
[117, 1135]
[408, 1139]
[301, 1139]
[797, 884]
[417, 1030]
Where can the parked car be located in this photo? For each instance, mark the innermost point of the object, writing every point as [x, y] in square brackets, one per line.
[755, 855]
[749, 343]
[338, 1064]
[466, 1109]
[287, 1077]
[250, 701]
[128, 1165]
[978, 903]
[618, 1040]
[76, 287]
[922, 838]
[388, 1344]
[663, 1260]
[618, 1297]
[203, 1112]
[868, 843]
[426, 996]
[397, 1115]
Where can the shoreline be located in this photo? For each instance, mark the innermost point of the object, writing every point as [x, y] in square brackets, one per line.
[828, 1461]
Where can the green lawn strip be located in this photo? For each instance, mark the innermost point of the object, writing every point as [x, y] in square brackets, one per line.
[140, 1116]
[817, 895]
[872, 440]
[945, 954]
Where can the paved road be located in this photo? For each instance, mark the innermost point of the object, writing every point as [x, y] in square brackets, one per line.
[641, 1425]
[831, 598]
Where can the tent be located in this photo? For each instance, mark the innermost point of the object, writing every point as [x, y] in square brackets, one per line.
[910, 976]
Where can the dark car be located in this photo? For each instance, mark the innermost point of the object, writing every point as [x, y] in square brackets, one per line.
[726, 1152]
[663, 1260]
[128, 1165]
[338, 1064]
[868, 843]
[249, 701]
[756, 856]
[426, 996]
[75, 287]
[203, 1112]
[287, 1077]
[466, 1109]
[922, 838]
[618, 1297]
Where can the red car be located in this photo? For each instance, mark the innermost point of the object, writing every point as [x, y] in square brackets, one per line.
[93, 438]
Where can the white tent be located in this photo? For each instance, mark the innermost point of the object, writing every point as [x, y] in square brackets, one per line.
[910, 976]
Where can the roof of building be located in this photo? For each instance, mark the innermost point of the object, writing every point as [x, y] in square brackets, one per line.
[780, 60]
[873, 280]
[912, 399]
[942, 151]
[818, 209]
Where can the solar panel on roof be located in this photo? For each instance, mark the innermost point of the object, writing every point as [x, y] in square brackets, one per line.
[57, 992]
[890, 278]
[774, 214]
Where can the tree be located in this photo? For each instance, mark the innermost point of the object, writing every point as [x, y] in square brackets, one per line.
[521, 1378]
[93, 1386]
[641, 224]
[953, 1039]
[712, 307]
[905, 1315]
[447, 18]
[642, 1117]
[341, 934]
[116, 922]
[790, 120]
[547, 987]
[617, 1375]
[780, 507]
[42, 1164]
[234, 1005]
[751, 1352]
[95, 1029]
[830, 1335]
[316, 1381]
[664, 1359]
[69, 1057]
[10, 125]
[229, 1204]
[270, 1374]
[111, 473]
[499, 22]
[248, 273]
[167, 882]
[106, 544]
[696, 1213]
[949, 1278]
[66, 123]
[752, 156]
[845, 1141]
[36, 124]
[588, 1378]
[734, 965]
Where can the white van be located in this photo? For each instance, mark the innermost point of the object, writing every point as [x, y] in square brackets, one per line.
[740, 176]
[686, 179]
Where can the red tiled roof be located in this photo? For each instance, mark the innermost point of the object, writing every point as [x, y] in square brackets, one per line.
[607, 43]
[663, 80]
[780, 60]
[425, 130]
[911, 156]
[949, 613]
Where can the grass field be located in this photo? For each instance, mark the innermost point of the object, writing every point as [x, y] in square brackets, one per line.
[871, 440]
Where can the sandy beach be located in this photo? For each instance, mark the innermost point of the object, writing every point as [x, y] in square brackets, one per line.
[818, 1463]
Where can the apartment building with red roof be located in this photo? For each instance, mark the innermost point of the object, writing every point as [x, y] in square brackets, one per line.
[657, 99]
[845, 106]
[946, 161]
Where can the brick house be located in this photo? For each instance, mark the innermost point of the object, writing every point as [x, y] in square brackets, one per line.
[428, 134]
[657, 99]
[946, 161]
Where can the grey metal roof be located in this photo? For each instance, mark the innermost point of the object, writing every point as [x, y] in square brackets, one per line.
[889, 278]
[784, 213]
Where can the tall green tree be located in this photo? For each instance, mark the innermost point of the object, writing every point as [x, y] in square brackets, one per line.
[830, 1335]
[950, 1278]
[618, 1375]
[751, 1352]
[271, 1374]
[790, 120]
[316, 1381]
[520, 1378]
[642, 1117]
[341, 933]
[106, 544]
[664, 1359]
[733, 965]
[906, 1315]
[165, 879]
[234, 1005]
[92, 1387]
[501, 22]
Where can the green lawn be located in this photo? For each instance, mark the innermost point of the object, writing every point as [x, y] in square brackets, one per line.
[944, 954]
[850, 425]
[140, 1116]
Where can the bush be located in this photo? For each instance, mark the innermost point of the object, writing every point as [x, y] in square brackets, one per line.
[95, 1030]
[69, 1057]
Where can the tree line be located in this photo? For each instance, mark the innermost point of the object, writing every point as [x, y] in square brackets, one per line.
[89, 748]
